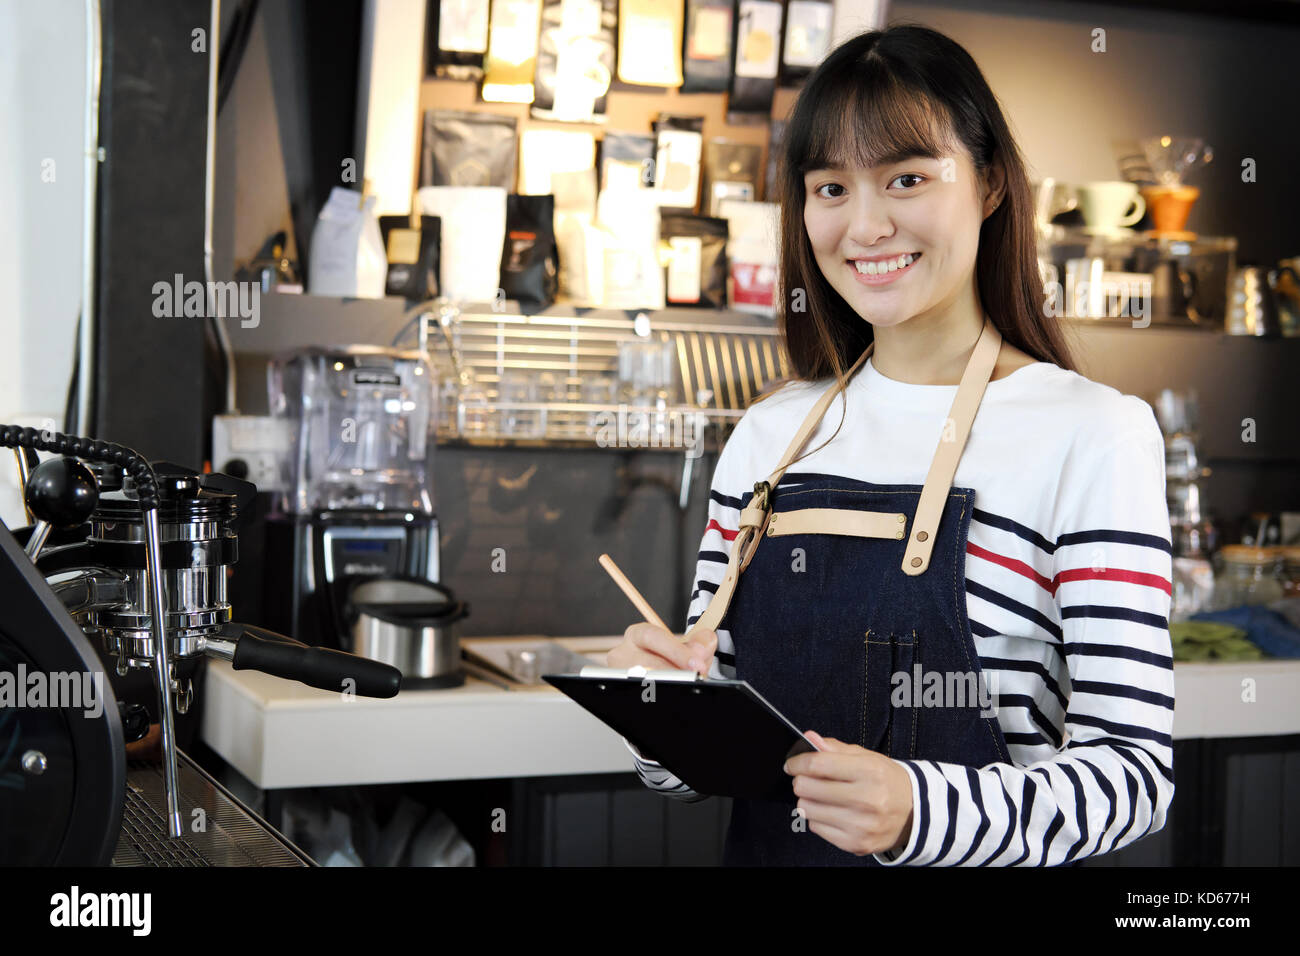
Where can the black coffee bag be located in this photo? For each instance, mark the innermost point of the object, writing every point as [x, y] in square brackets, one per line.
[530, 260]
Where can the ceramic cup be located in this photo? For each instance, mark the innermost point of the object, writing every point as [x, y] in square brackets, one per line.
[1108, 206]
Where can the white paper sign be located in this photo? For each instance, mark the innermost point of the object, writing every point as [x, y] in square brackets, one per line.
[807, 33]
[684, 268]
[759, 39]
[463, 26]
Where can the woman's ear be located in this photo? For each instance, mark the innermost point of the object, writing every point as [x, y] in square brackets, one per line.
[995, 179]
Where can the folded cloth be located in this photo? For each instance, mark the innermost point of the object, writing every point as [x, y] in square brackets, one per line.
[1206, 640]
[1263, 627]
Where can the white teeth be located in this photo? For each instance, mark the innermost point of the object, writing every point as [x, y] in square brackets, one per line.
[889, 265]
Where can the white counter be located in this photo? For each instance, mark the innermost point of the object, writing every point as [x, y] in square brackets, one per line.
[280, 733]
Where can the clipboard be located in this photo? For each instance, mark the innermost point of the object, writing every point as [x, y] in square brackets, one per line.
[719, 737]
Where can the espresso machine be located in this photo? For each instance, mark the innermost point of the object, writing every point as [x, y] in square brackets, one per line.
[135, 555]
[359, 503]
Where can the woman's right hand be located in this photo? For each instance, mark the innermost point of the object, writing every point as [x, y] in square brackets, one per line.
[655, 648]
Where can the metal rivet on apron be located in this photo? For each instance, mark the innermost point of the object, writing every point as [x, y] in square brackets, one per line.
[922, 535]
[916, 562]
[902, 518]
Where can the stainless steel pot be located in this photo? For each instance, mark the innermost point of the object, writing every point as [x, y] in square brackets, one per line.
[412, 624]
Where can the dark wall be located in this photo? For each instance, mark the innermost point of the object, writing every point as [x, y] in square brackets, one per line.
[553, 512]
[155, 379]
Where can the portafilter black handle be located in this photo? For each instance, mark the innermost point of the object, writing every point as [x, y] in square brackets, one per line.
[255, 648]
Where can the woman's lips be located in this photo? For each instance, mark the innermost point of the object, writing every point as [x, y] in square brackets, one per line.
[882, 278]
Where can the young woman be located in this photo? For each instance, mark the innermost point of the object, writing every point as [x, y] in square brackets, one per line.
[962, 588]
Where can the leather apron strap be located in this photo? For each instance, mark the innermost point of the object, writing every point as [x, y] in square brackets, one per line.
[916, 558]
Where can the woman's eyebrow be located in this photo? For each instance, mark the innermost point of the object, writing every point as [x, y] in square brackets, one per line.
[890, 159]
[902, 156]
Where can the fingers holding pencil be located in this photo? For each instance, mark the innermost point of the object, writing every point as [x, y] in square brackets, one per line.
[654, 644]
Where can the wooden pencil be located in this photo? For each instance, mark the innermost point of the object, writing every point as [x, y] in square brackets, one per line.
[632, 593]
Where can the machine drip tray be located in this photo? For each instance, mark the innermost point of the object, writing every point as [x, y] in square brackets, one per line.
[233, 835]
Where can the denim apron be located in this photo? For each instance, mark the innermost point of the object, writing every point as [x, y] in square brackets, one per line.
[855, 593]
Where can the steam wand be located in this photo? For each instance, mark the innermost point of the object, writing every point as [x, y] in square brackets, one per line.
[162, 669]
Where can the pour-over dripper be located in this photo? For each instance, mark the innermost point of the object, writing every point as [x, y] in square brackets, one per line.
[1169, 201]
[1172, 157]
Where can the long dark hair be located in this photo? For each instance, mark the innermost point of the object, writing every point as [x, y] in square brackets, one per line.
[889, 93]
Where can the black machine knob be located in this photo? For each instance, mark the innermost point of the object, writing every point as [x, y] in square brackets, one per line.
[61, 492]
[135, 721]
[237, 468]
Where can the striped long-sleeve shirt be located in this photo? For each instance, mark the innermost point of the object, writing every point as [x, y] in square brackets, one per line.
[1068, 591]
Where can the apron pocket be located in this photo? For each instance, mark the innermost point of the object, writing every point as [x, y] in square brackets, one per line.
[878, 668]
[902, 713]
[888, 717]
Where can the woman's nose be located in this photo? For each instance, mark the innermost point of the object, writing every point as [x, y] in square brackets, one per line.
[868, 224]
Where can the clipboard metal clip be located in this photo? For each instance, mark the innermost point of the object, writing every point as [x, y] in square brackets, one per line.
[638, 672]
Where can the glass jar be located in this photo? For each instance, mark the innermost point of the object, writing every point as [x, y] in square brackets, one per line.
[1291, 572]
[473, 417]
[1249, 576]
[518, 398]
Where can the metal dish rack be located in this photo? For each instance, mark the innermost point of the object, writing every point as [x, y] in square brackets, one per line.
[722, 364]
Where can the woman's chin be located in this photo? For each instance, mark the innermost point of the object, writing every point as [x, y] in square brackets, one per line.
[878, 311]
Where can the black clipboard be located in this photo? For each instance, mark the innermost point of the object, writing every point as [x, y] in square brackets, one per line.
[719, 737]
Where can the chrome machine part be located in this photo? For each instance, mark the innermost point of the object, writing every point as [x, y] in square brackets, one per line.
[90, 589]
[179, 592]
[219, 647]
[37, 541]
[410, 623]
[162, 672]
[63, 492]
[147, 572]
[232, 835]
[419, 652]
[27, 460]
[197, 545]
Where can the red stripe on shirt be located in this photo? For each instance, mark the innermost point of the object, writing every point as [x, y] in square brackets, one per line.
[1117, 574]
[714, 526]
[1011, 564]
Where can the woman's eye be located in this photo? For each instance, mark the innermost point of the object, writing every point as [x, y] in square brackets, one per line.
[919, 179]
[828, 186]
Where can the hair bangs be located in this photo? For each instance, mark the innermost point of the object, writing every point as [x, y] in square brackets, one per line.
[870, 121]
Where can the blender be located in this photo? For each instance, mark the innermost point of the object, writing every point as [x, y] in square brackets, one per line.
[359, 502]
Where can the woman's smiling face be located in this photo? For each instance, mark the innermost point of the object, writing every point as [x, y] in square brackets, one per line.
[918, 217]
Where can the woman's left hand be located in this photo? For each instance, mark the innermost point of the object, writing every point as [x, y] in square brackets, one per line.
[857, 799]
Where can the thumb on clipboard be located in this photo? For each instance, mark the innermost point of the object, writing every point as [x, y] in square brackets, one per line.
[654, 647]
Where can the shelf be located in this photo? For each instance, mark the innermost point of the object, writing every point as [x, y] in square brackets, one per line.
[682, 428]
[1127, 240]
[550, 378]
